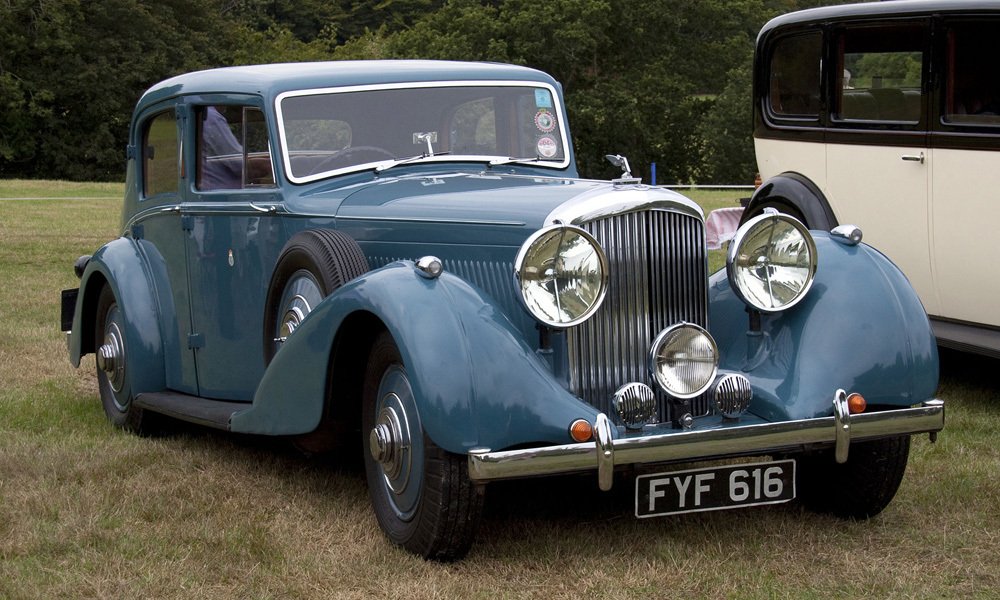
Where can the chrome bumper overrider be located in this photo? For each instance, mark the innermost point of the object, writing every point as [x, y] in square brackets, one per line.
[605, 453]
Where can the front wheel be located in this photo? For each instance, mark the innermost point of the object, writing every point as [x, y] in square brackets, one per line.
[112, 367]
[858, 489]
[422, 496]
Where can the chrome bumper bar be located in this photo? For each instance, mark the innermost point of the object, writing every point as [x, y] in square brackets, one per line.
[605, 453]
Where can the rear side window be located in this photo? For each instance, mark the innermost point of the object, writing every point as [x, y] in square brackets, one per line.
[972, 74]
[795, 76]
[880, 73]
[160, 155]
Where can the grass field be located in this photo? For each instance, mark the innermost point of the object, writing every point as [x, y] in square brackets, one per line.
[87, 511]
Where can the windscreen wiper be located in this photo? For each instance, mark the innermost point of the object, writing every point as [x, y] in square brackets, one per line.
[402, 161]
[513, 159]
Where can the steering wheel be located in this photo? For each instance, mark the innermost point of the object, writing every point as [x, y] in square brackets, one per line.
[351, 156]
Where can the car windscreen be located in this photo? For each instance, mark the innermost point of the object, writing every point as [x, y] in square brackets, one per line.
[332, 131]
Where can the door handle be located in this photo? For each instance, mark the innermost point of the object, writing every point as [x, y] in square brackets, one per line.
[914, 158]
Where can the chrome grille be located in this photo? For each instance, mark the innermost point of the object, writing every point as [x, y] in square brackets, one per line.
[658, 277]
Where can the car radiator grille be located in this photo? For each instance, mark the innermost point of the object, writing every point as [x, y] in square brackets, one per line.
[658, 277]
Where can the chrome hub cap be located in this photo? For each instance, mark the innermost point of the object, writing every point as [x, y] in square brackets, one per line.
[299, 297]
[293, 318]
[395, 442]
[111, 355]
[390, 446]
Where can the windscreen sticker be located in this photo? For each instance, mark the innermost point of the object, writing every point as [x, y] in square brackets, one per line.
[543, 99]
[545, 121]
[547, 147]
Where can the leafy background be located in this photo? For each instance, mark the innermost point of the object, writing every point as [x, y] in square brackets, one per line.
[658, 80]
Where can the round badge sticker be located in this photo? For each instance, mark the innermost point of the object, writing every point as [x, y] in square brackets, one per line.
[547, 147]
[545, 121]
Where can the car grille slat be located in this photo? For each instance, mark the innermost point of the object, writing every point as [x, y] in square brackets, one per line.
[658, 277]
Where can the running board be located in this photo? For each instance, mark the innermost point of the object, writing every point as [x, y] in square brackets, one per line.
[194, 409]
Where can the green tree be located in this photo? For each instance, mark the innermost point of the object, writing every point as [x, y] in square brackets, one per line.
[71, 72]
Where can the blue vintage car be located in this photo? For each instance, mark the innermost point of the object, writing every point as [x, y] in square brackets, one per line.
[399, 258]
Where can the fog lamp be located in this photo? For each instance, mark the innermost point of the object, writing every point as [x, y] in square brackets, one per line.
[635, 404]
[684, 360]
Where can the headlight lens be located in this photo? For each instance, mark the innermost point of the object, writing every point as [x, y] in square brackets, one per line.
[771, 262]
[562, 275]
[684, 360]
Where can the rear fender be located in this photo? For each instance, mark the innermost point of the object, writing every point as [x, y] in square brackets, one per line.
[861, 328]
[122, 265]
[476, 381]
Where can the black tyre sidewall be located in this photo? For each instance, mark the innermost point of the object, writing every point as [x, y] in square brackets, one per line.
[858, 489]
[446, 517]
[333, 259]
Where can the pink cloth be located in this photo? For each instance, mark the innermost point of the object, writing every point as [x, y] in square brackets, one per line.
[721, 225]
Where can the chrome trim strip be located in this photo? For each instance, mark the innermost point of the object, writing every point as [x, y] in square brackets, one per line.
[614, 200]
[431, 220]
[459, 83]
[697, 445]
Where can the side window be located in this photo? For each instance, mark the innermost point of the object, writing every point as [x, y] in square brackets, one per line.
[972, 74]
[233, 149]
[160, 155]
[794, 76]
[880, 73]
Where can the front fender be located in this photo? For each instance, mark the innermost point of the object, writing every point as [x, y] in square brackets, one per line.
[861, 328]
[122, 265]
[476, 381]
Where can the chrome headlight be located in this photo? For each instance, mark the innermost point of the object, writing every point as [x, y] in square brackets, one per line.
[684, 360]
[562, 275]
[771, 262]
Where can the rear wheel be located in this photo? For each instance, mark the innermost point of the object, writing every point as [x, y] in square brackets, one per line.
[421, 494]
[112, 367]
[860, 488]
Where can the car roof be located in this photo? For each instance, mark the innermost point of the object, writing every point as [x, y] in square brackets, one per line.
[897, 8]
[273, 79]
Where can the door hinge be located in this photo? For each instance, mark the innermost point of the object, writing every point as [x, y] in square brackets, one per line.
[195, 341]
[187, 222]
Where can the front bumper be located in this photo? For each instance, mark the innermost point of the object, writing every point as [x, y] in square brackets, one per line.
[605, 453]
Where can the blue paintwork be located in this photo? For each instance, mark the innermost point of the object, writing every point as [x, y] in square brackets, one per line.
[120, 264]
[860, 328]
[469, 347]
[467, 395]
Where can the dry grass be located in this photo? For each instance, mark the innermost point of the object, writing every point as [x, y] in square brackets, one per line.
[87, 511]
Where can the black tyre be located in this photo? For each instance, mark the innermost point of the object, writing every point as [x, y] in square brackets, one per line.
[422, 496]
[858, 489]
[313, 264]
[781, 207]
[112, 368]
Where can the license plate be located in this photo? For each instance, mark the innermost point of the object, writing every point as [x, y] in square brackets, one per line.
[714, 488]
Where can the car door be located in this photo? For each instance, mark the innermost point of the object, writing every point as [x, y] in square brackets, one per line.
[157, 228]
[233, 232]
[965, 162]
[878, 161]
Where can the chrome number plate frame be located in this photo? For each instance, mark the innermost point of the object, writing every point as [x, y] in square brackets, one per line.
[714, 488]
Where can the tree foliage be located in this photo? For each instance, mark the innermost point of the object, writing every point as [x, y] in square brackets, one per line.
[663, 81]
